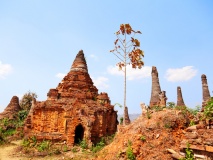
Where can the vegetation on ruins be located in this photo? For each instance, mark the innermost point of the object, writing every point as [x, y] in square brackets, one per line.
[44, 145]
[208, 109]
[127, 50]
[8, 127]
[83, 144]
[121, 120]
[189, 153]
[26, 101]
[170, 105]
[14, 127]
[129, 152]
[97, 147]
[143, 138]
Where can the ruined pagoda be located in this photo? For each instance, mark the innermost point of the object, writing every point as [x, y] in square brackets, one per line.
[73, 110]
[205, 91]
[155, 88]
[180, 101]
[12, 109]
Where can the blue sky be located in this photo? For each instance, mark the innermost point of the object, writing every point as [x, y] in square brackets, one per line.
[40, 39]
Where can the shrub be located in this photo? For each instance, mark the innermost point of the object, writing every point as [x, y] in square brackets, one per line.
[121, 120]
[9, 132]
[83, 144]
[208, 110]
[194, 111]
[167, 125]
[25, 143]
[57, 151]
[65, 148]
[34, 140]
[5, 121]
[192, 123]
[189, 153]
[148, 115]
[26, 101]
[98, 146]
[74, 150]
[22, 114]
[157, 108]
[143, 138]
[170, 105]
[129, 153]
[44, 145]
[183, 108]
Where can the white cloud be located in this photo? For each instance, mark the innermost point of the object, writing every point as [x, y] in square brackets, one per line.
[101, 82]
[5, 69]
[60, 75]
[93, 57]
[180, 74]
[132, 73]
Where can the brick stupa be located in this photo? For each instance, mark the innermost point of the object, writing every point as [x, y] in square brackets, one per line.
[73, 110]
[180, 101]
[205, 91]
[156, 90]
[12, 109]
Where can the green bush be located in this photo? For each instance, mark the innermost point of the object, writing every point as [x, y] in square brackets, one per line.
[121, 120]
[5, 121]
[9, 132]
[65, 148]
[182, 108]
[170, 105]
[83, 144]
[22, 114]
[192, 123]
[74, 150]
[44, 145]
[148, 114]
[208, 110]
[189, 153]
[98, 146]
[33, 138]
[194, 111]
[168, 125]
[129, 153]
[143, 138]
[25, 143]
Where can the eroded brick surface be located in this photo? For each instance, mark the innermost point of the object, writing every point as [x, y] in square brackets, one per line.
[73, 110]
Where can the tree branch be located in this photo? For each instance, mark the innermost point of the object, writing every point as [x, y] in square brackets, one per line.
[118, 57]
[120, 40]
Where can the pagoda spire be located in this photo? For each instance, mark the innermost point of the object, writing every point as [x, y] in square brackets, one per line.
[79, 64]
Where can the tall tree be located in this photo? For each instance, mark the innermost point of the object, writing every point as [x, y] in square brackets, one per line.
[127, 50]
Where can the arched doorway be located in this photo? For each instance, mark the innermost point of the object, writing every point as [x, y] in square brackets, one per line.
[79, 133]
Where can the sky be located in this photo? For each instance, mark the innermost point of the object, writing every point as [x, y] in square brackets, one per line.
[40, 39]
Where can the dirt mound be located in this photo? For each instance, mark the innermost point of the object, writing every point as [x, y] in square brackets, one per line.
[148, 137]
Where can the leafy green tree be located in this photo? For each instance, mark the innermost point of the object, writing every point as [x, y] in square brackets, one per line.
[170, 105]
[127, 50]
[26, 101]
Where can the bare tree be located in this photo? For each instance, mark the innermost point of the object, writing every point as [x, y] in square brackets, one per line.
[127, 50]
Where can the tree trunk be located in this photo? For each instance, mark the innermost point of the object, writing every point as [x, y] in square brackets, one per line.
[124, 122]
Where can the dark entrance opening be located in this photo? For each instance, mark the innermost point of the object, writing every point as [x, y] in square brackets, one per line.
[79, 133]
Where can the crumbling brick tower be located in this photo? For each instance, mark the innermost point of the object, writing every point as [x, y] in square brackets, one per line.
[205, 90]
[180, 101]
[73, 111]
[156, 90]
